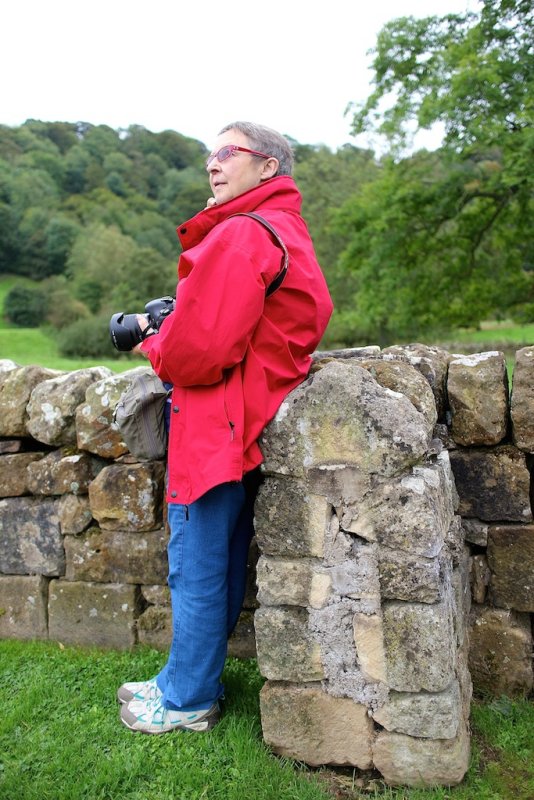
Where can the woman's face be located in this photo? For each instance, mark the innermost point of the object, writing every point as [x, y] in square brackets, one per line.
[239, 172]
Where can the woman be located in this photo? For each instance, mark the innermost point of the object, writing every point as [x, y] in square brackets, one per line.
[235, 345]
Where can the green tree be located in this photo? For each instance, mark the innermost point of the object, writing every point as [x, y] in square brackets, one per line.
[327, 180]
[183, 193]
[77, 162]
[33, 259]
[448, 238]
[61, 232]
[99, 261]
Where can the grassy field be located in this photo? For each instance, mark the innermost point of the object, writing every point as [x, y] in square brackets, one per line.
[61, 739]
[28, 346]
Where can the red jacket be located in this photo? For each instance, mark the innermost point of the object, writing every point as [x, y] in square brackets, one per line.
[232, 354]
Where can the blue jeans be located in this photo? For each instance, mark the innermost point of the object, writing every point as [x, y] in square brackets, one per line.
[208, 550]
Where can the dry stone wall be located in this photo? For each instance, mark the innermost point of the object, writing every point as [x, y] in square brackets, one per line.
[394, 549]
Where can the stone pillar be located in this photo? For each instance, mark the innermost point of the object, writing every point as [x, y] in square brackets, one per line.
[362, 582]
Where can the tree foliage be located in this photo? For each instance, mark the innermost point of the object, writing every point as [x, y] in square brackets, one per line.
[445, 239]
[91, 214]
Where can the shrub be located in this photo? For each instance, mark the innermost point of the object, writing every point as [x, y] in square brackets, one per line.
[25, 306]
[87, 338]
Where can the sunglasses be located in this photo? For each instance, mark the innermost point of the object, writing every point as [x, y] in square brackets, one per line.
[228, 149]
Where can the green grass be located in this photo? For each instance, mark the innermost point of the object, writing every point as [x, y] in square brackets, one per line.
[502, 336]
[26, 346]
[61, 739]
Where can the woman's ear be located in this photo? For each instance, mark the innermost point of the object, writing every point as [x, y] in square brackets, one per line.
[270, 168]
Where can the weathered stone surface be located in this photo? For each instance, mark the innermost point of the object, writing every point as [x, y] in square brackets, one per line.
[357, 577]
[442, 433]
[432, 362]
[511, 561]
[242, 642]
[402, 377]
[409, 761]
[338, 544]
[493, 485]
[420, 646]
[338, 484]
[251, 590]
[14, 473]
[480, 578]
[461, 596]
[30, 537]
[292, 582]
[6, 365]
[428, 715]
[10, 446]
[94, 614]
[343, 416]
[475, 531]
[500, 654]
[23, 607]
[128, 496]
[411, 578]
[455, 540]
[16, 386]
[53, 403]
[157, 594]
[477, 387]
[333, 628]
[74, 513]
[411, 513]
[290, 520]
[286, 649]
[117, 556]
[522, 402]
[304, 723]
[58, 474]
[95, 429]
[154, 627]
[322, 357]
[370, 650]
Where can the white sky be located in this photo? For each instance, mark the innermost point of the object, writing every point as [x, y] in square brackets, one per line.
[194, 66]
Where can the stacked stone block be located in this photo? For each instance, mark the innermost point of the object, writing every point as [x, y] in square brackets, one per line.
[82, 533]
[362, 580]
[491, 443]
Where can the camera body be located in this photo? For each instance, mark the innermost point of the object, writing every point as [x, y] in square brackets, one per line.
[125, 331]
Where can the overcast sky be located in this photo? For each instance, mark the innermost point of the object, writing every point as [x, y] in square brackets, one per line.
[192, 67]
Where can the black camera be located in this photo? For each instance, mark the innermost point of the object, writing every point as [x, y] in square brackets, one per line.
[125, 331]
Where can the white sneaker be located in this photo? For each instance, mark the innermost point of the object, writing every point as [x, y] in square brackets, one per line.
[153, 717]
[138, 690]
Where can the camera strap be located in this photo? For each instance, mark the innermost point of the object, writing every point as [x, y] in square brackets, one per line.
[277, 282]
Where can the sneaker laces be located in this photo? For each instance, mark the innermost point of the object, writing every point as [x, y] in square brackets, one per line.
[153, 692]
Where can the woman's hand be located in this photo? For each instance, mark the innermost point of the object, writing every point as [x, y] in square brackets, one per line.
[143, 324]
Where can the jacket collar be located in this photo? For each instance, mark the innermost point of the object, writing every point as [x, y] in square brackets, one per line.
[279, 193]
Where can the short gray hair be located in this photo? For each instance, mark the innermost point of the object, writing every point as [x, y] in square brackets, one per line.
[267, 141]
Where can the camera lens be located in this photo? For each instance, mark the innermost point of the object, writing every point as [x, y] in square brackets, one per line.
[125, 331]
